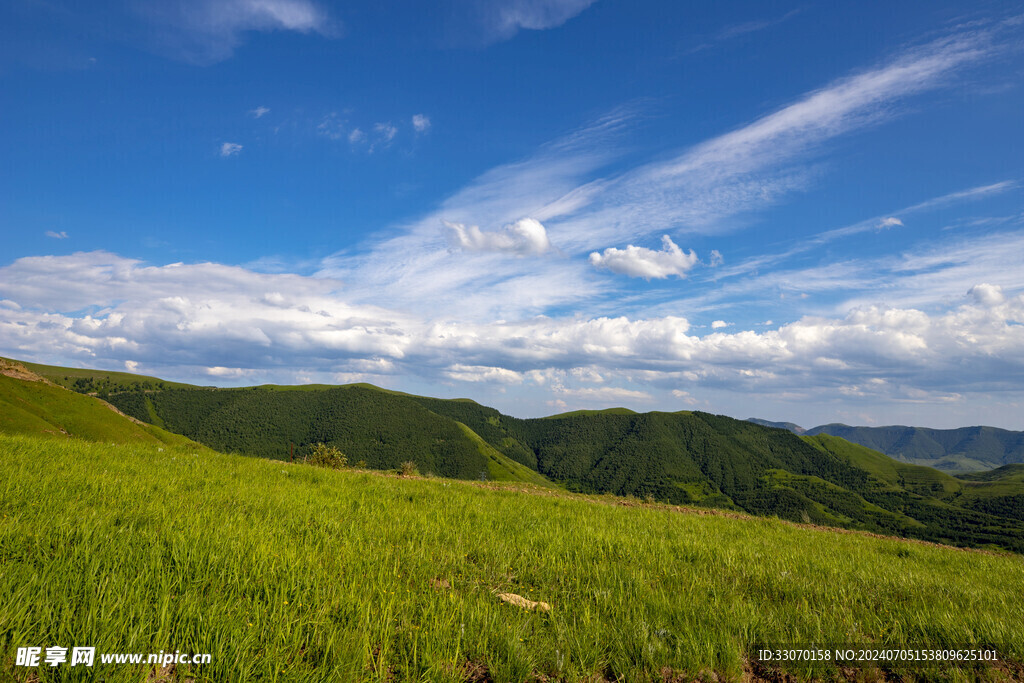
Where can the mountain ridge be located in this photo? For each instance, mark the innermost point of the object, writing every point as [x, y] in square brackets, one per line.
[959, 450]
[687, 457]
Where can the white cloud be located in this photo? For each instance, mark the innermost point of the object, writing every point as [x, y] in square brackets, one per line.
[719, 325]
[224, 372]
[230, 149]
[483, 373]
[890, 222]
[331, 127]
[420, 123]
[753, 26]
[646, 263]
[752, 167]
[411, 301]
[385, 132]
[871, 224]
[685, 396]
[356, 136]
[524, 237]
[259, 112]
[214, 320]
[502, 19]
[604, 394]
[987, 295]
[716, 258]
[131, 366]
[57, 235]
[204, 32]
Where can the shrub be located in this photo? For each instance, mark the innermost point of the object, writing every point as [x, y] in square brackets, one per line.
[408, 468]
[327, 456]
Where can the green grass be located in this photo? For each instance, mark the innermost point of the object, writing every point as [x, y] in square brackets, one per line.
[66, 377]
[501, 467]
[895, 474]
[965, 449]
[1013, 472]
[40, 409]
[293, 573]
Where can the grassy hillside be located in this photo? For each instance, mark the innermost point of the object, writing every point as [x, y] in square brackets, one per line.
[37, 408]
[689, 458]
[702, 459]
[382, 429]
[1014, 472]
[290, 573]
[999, 491]
[88, 381]
[684, 458]
[966, 449]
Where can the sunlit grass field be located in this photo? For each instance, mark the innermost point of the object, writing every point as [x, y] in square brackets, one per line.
[291, 573]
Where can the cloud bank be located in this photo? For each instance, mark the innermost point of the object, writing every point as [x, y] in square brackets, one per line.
[228, 322]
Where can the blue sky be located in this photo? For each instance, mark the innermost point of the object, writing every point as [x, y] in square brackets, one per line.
[801, 211]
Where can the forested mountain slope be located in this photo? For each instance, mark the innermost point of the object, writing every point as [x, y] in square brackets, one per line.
[960, 450]
[688, 458]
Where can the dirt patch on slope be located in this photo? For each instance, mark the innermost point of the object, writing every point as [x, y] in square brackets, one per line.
[10, 368]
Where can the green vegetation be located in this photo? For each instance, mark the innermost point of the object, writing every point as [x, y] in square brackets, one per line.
[952, 450]
[606, 411]
[715, 461]
[384, 429]
[292, 573]
[322, 455]
[41, 409]
[689, 458]
[101, 382]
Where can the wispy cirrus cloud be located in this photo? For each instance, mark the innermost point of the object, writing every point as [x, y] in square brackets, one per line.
[755, 25]
[932, 324]
[499, 20]
[875, 223]
[756, 165]
[700, 189]
[741, 29]
[208, 31]
[383, 134]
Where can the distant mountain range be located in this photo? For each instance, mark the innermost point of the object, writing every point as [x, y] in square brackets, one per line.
[965, 449]
[690, 458]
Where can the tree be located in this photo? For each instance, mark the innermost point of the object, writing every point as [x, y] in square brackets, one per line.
[327, 456]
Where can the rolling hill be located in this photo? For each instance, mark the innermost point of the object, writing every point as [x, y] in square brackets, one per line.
[966, 449]
[31, 405]
[689, 458]
[961, 450]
